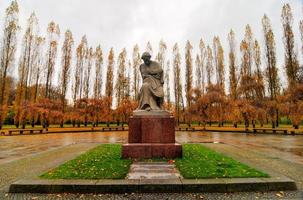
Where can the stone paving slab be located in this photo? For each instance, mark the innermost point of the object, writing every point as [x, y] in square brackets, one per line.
[151, 186]
[153, 170]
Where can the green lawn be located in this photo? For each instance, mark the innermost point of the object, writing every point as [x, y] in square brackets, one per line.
[102, 162]
[201, 162]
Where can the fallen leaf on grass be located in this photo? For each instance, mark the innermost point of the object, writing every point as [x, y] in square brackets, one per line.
[280, 194]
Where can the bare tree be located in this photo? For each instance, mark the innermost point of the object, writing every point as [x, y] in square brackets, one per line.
[233, 77]
[177, 82]
[149, 48]
[7, 54]
[98, 70]
[219, 61]
[291, 60]
[26, 67]
[188, 72]
[271, 71]
[209, 65]
[53, 32]
[167, 82]
[203, 56]
[66, 61]
[109, 77]
[161, 59]
[87, 71]
[259, 80]
[121, 82]
[136, 64]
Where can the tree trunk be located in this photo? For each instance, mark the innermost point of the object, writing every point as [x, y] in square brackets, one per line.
[17, 124]
[273, 124]
[33, 122]
[277, 118]
[85, 121]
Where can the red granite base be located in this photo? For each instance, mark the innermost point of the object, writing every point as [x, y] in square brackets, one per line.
[151, 129]
[151, 150]
[151, 135]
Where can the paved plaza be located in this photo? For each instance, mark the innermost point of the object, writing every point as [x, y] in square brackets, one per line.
[30, 155]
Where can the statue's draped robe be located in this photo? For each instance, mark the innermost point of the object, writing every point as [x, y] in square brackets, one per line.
[151, 93]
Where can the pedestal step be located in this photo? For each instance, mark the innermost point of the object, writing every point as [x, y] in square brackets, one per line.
[151, 150]
[153, 170]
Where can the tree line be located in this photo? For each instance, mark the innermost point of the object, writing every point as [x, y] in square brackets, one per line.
[254, 93]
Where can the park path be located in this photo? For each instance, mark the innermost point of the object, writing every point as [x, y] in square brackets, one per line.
[263, 161]
[32, 166]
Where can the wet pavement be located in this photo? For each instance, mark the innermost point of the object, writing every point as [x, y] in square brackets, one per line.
[21, 156]
[283, 146]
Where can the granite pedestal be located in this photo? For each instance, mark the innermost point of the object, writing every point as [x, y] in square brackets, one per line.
[151, 135]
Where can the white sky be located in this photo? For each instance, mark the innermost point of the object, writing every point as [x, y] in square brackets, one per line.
[120, 23]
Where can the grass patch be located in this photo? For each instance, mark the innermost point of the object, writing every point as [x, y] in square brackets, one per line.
[201, 162]
[102, 162]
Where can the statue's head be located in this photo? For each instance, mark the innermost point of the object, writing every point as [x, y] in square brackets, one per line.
[146, 58]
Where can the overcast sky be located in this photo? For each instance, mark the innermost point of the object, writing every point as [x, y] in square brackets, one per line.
[121, 23]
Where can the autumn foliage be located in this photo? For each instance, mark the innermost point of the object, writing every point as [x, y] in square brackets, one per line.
[240, 85]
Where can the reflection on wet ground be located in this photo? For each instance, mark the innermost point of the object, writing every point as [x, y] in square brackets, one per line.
[285, 147]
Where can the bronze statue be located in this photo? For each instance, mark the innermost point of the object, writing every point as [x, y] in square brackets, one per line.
[151, 93]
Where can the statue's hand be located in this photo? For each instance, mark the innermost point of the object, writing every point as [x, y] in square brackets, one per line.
[146, 76]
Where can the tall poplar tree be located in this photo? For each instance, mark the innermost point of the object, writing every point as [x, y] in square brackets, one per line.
[233, 77]
[198, 73]
[66, 61]
[271, 71]
[291, 60]
[136, 74]
[259, 86]
[177, 82]
[121, 83]
[87, 72]
[167, 83]
[161, 59]
[149, 48]
[26, 67]
[7, 54]
[203, 56]
[209, 65]
[98, 72]
[188, 73]
[53, 33]
[219, 61]
[109, 77]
